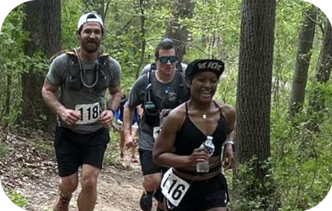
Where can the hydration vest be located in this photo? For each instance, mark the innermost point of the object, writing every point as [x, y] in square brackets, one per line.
[151, 108]
[74, 74]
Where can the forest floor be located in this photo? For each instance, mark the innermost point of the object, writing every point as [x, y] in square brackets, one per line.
[30, 170]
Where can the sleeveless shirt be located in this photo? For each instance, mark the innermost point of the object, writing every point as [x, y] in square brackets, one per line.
[190, 137]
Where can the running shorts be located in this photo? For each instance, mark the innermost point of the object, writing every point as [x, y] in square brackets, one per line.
[147, 164]
[73, 149]
[148, 167]
[204, 195]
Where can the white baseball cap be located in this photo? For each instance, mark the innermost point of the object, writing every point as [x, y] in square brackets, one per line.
[89, 17]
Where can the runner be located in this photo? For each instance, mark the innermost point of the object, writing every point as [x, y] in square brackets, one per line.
[119, 128]
[82, 76]
[156, 90]
[191, 143]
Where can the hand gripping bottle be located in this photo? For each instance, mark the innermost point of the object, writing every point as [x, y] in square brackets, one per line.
[207, 144]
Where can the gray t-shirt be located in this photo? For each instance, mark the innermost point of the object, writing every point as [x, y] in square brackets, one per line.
[88, 101]
[167, 97]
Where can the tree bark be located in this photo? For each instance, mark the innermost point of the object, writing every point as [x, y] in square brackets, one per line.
[142, 35]
[177, 31]
[43, 23]
[254, 102]
[303, 56]
[323, 72]
[6, 108]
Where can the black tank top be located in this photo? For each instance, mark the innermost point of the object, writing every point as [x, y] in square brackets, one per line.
[190, 137]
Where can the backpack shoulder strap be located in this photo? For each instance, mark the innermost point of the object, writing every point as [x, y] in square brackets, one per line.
[148, 77]
[103, 58]
[182, 91]
[66, 51]
[179, 67]
[153, 66]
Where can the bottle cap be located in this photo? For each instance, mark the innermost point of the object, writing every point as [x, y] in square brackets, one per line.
[209, 137]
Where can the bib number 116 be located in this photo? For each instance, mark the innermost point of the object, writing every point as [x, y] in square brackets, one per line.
[173, 187]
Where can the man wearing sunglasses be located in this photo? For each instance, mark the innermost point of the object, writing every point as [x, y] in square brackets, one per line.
[180, 67]
[156, 90]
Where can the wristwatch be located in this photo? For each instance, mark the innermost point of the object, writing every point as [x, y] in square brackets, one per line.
[229, 142]
[111, 110]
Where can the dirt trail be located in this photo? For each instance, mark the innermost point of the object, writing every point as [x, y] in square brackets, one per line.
[34, 176]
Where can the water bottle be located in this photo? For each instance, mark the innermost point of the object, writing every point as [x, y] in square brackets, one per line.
[207, 144]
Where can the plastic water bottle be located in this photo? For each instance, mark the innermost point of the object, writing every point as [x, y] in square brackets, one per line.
[207, 144]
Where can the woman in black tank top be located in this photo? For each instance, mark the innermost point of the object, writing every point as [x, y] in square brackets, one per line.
[184, 131]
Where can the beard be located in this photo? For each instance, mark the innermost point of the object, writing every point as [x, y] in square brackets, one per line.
[89, 47]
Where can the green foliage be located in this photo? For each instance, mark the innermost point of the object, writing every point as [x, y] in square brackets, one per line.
[17, 198]
[42, 146]
[69, 18]
[4, 150]
[216, 23]
[112, 151]
[13, 38]
[300, 160]
[254, 190]
[13, 63]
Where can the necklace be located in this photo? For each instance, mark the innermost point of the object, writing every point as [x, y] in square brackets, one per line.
[204, 116]
[203, 112]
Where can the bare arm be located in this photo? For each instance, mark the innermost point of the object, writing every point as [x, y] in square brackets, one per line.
[113, 103]
[115, 99]
[128, 112]
[50, 97]
[139, 111]
[69, 116]
[228, 158]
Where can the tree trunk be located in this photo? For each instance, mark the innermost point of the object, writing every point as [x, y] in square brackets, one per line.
[43, 23]
[323, 72]
[253, 104]
[177, 31]
[142, 35]
[303, 56]
[6, 108]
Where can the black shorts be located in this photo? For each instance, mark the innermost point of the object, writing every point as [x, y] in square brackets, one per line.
[204, 195]
[147, 164]
[148, 167]
[74, 149]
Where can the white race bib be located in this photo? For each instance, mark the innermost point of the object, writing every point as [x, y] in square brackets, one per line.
[173, 187]
[89, 113]
[156, 131]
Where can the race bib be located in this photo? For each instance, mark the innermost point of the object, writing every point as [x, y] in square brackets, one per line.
[156, 131]
[89, 113]
[173, 187]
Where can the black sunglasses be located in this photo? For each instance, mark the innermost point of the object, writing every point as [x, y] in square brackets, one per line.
[165, 59]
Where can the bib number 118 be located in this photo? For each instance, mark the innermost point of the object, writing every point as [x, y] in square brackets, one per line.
[89, 112]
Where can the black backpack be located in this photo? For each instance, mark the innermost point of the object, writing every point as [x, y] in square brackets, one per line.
[150, 105]
[73, 78]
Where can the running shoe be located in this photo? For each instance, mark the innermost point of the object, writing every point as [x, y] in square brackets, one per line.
[121, 156]
[134, 159]
[61, 202]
